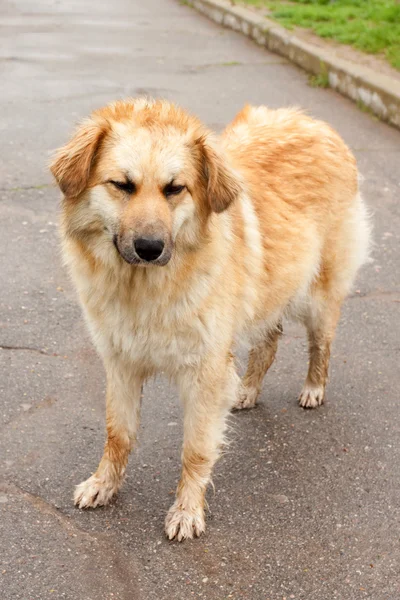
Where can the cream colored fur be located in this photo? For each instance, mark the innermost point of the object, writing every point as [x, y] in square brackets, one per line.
[269, 223]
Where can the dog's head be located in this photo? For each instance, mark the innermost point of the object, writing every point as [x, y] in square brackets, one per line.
[144, 176]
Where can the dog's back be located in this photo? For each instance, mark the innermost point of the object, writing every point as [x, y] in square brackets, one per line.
[303, 183]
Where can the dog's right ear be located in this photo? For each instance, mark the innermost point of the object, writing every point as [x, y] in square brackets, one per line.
[72, 163]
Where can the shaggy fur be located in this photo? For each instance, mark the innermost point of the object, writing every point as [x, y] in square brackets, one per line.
[264, 222]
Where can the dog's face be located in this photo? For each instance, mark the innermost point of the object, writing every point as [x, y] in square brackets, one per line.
[143, 176]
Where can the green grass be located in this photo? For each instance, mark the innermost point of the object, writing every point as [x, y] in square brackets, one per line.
[321, 80]
[372, 26]
[366, 109]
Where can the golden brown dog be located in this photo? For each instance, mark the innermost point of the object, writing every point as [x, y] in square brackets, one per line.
[178, 242]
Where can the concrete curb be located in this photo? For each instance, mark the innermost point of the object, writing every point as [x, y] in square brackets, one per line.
[379, 93]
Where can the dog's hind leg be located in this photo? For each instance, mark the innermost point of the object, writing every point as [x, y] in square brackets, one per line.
[344, 253]
[124, 388]
[206, 402]
[261, 358]
[321, 323]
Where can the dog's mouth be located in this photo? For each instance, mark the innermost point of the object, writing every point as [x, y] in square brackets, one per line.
[144, 251]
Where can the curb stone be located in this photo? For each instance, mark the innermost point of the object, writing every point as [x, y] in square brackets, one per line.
[377, 92]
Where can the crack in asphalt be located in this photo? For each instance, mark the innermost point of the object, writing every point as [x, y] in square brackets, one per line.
[30, 349]
[41, 505]
[110, 557]
[46, 508]
[390, 295]
[22, 188]
[48, 401]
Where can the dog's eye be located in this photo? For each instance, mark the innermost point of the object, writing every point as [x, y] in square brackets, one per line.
[125, 186]
[173, 190]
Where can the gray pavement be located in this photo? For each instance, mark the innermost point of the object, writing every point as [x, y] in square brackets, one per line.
[306, 504]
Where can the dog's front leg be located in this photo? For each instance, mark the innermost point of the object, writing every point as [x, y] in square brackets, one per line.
[124, 387]
[206, 404]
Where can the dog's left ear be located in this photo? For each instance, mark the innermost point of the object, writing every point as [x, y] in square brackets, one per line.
[222, 187]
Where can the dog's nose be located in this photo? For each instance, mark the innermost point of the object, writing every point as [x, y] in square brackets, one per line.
[149, 248]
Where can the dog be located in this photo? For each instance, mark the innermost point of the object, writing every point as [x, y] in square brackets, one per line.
[179, 242]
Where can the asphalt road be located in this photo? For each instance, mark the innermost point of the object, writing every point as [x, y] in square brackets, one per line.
[306, 503]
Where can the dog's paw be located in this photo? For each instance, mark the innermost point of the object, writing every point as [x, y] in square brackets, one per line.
[94, 492]
[182, 524]
[246, 398]
[311, 396]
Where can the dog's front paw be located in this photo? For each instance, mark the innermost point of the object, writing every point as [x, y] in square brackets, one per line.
[94, 492]
[182, 524]
[311, 396]
[247, 398]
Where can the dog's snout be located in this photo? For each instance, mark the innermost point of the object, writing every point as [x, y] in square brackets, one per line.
[149, 249]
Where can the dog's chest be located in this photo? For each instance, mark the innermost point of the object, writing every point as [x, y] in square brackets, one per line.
[161, 332]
